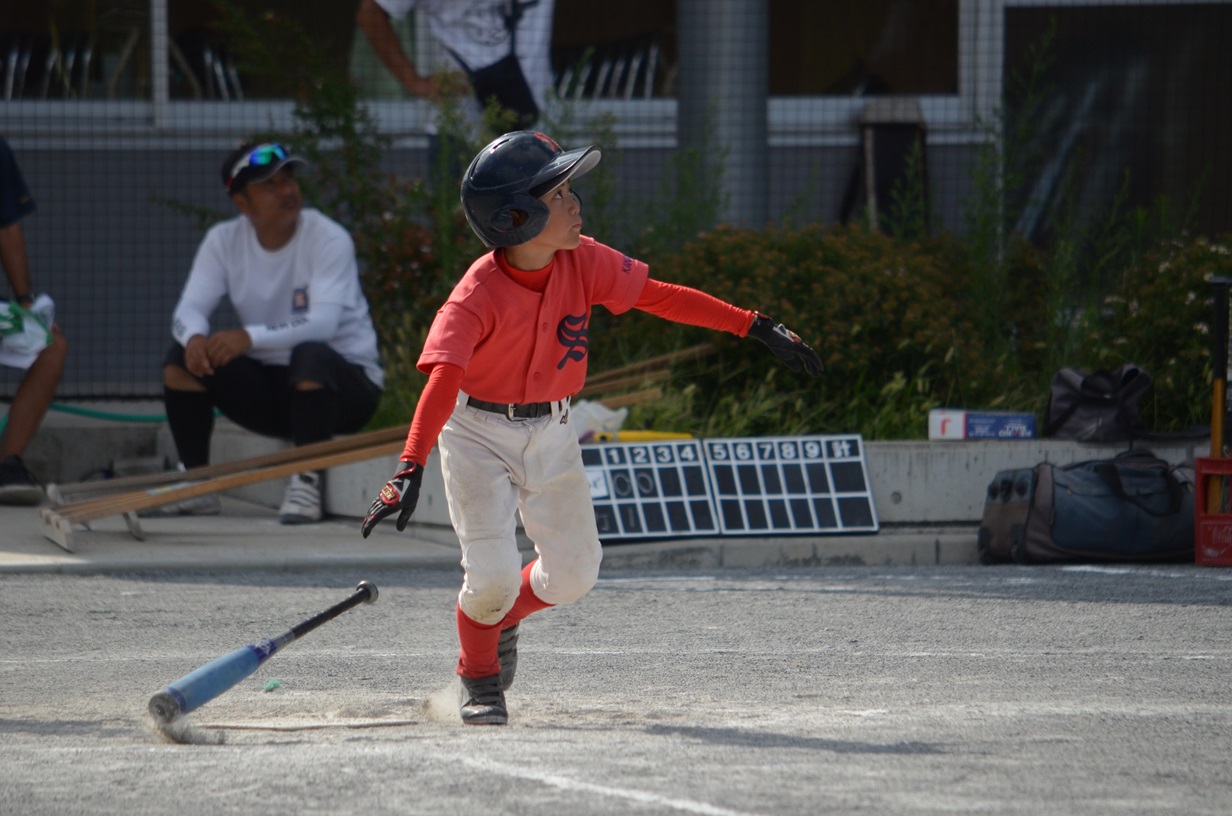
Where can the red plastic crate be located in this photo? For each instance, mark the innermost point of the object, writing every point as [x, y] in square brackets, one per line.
[1212, 530]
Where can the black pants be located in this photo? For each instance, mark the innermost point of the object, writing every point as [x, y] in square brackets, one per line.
[264, 399]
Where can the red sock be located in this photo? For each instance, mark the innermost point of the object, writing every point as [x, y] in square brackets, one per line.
[527, 603]
[477, 657]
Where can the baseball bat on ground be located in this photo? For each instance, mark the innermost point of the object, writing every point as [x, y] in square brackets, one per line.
[199, 687]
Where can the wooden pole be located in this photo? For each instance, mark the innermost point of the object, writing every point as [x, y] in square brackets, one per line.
[621, 383]
[61, 494]
[634, 398]
[1219, 389]
[662, 361]
[58, 521]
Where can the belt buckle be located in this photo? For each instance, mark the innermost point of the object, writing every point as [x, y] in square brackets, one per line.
[509, 410]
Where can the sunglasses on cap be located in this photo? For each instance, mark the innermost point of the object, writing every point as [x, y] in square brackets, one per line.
[262, 155]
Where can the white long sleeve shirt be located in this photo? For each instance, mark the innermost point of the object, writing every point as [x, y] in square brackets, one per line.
[307, 290]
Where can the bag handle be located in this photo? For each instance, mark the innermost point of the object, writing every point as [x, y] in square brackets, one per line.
[1072, 378]
[516, 8]
[1108, 471]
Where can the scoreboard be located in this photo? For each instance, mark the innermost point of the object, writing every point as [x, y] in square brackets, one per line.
[652, 490]
[730, 486]
[791, 484]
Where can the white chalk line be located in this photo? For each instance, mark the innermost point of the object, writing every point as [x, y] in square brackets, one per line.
[1215, 575]
[660, 579]
[312, 726]
[564, 783]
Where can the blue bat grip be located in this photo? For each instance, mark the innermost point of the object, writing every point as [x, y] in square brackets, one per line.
[199, 687]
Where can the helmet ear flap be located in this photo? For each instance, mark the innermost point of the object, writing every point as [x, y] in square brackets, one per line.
[518, 221]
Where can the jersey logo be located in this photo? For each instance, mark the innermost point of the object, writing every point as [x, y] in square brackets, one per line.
[573, 335]
[299, 300]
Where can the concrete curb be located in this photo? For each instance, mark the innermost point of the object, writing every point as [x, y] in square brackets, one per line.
[887, 548]
[904, 548]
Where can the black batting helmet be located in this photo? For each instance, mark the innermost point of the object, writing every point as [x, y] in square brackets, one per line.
[501, 188]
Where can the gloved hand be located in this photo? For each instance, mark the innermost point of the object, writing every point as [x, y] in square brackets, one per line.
[786, 345]
[399, 493]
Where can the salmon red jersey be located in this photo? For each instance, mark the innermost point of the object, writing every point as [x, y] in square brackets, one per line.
[517, 345]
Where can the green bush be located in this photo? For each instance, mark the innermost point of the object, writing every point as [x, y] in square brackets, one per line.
[893, 323]
[1160, 318]
[875, 310]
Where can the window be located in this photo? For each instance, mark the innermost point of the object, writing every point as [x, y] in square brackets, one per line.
[75, 49]
[870, 48]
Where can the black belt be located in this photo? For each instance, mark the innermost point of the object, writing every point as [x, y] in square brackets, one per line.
[529, 410]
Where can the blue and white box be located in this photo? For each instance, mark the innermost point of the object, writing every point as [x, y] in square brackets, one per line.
[953, 423]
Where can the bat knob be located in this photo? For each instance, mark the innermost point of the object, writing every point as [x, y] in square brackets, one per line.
[163, 707]
[372, 591]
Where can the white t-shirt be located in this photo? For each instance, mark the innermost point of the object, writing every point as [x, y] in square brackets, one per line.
[475, 31]
[306, 290]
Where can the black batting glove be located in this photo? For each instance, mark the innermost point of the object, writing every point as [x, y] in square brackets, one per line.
[786, 345]
[399, 493]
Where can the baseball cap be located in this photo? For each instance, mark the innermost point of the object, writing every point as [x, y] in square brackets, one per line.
[255, 162]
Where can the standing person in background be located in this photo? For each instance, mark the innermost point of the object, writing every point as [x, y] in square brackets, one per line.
[503, 357]
[503, 46]
[304, 366]
[44, 366]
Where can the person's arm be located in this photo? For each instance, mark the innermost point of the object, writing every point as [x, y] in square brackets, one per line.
[436, 403]
[320, 325]
[333, 282]
[16, 266]
[374, 22]
[203, 291]
[190, 319]
[681, 304]
[684, 305]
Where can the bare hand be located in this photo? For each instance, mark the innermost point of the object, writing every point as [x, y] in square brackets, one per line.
[423, 87]
[196, 360]
[225, 346]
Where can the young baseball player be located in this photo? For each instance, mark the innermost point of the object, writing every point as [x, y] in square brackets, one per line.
[503, 357]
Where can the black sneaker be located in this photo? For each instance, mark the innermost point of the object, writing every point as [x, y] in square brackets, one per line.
[507, 654]
[483, 701]
[17, 484]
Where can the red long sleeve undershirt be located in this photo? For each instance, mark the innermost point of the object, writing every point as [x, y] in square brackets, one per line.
[680, 304]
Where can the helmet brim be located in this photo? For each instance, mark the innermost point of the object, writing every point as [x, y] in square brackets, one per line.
[568, 165]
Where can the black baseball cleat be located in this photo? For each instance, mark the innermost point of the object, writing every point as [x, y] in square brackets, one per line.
[483, 701]
[507, 655]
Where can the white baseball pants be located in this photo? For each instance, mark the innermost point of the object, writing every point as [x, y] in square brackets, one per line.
[492, 466]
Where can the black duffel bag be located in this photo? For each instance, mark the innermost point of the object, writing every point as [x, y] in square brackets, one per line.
[1133, 507]
[1101, 406]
